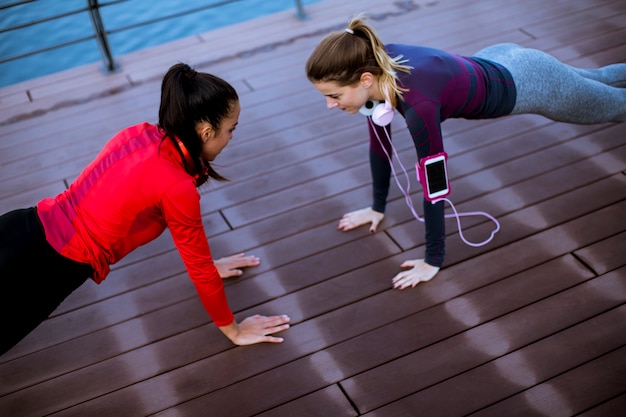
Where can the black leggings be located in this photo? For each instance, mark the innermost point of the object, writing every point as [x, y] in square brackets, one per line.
[34, 278]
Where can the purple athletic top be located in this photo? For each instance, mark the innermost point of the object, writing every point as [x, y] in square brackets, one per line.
[441, 86]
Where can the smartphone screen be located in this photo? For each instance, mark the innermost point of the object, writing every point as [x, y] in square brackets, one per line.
[436, 177]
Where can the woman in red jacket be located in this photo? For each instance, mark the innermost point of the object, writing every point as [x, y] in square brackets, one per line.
[144, 180]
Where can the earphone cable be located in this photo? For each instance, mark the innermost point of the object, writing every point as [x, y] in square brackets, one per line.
[409, 201]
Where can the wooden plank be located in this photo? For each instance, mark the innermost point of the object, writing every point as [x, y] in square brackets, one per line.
[538, 362]
[329, 401]
[571, 392]
[611, 408]
[605, 255]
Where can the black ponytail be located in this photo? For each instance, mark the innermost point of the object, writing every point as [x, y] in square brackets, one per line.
[189, 97]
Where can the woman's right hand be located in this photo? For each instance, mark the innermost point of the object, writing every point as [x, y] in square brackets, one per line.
[256, 329]
[360, 217]
[419, 271]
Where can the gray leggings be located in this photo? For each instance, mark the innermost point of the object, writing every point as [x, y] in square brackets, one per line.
[559, 91]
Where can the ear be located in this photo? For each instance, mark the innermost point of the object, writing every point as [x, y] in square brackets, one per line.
[205, 131]
[367, 79]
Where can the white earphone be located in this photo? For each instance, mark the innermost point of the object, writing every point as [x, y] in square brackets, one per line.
[368, 107]
[381, 112]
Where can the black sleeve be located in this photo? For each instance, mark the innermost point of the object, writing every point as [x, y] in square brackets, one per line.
[380, 166]
[435, 233]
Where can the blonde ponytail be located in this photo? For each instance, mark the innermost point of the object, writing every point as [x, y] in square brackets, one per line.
[389, 66]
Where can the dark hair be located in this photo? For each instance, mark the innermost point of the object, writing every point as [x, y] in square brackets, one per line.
[189, 97]
[342, 57]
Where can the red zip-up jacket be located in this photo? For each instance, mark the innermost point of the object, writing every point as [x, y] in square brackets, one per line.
[126, 197]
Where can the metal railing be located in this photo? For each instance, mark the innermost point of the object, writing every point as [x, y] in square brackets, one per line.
[100, 31]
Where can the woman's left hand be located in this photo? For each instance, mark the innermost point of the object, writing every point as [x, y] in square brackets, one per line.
[229, 266]
[420, 271]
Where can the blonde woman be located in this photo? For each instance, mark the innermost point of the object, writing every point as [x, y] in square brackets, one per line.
[353, 69]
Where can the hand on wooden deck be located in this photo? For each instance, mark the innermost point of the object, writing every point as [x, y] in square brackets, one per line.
[230, 266]
[256, 329]
[360, 217]
[420, 271]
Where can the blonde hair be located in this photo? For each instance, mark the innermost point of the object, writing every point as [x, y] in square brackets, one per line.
[342, 57]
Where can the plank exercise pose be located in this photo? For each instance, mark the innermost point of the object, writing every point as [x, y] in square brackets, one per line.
[144, 180]
[356, 72]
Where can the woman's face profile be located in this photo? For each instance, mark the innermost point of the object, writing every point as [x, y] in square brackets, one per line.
[347, 98]
[214, 141]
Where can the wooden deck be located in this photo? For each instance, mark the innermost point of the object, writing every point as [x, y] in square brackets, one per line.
[532, 324]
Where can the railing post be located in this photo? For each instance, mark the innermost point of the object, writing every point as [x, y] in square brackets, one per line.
[101, 36]
[301, 14]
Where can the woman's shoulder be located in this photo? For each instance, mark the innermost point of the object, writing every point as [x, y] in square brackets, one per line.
[413, 50]
[141, 129]
[144, 132]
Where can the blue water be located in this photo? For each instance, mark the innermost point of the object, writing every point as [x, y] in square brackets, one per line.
[114, 16]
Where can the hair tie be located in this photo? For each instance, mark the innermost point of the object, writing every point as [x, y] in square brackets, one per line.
[350, 31]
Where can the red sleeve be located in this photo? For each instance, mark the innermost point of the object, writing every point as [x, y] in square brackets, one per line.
[181, 209]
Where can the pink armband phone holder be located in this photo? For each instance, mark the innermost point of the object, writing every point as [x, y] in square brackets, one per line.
[432, 173]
